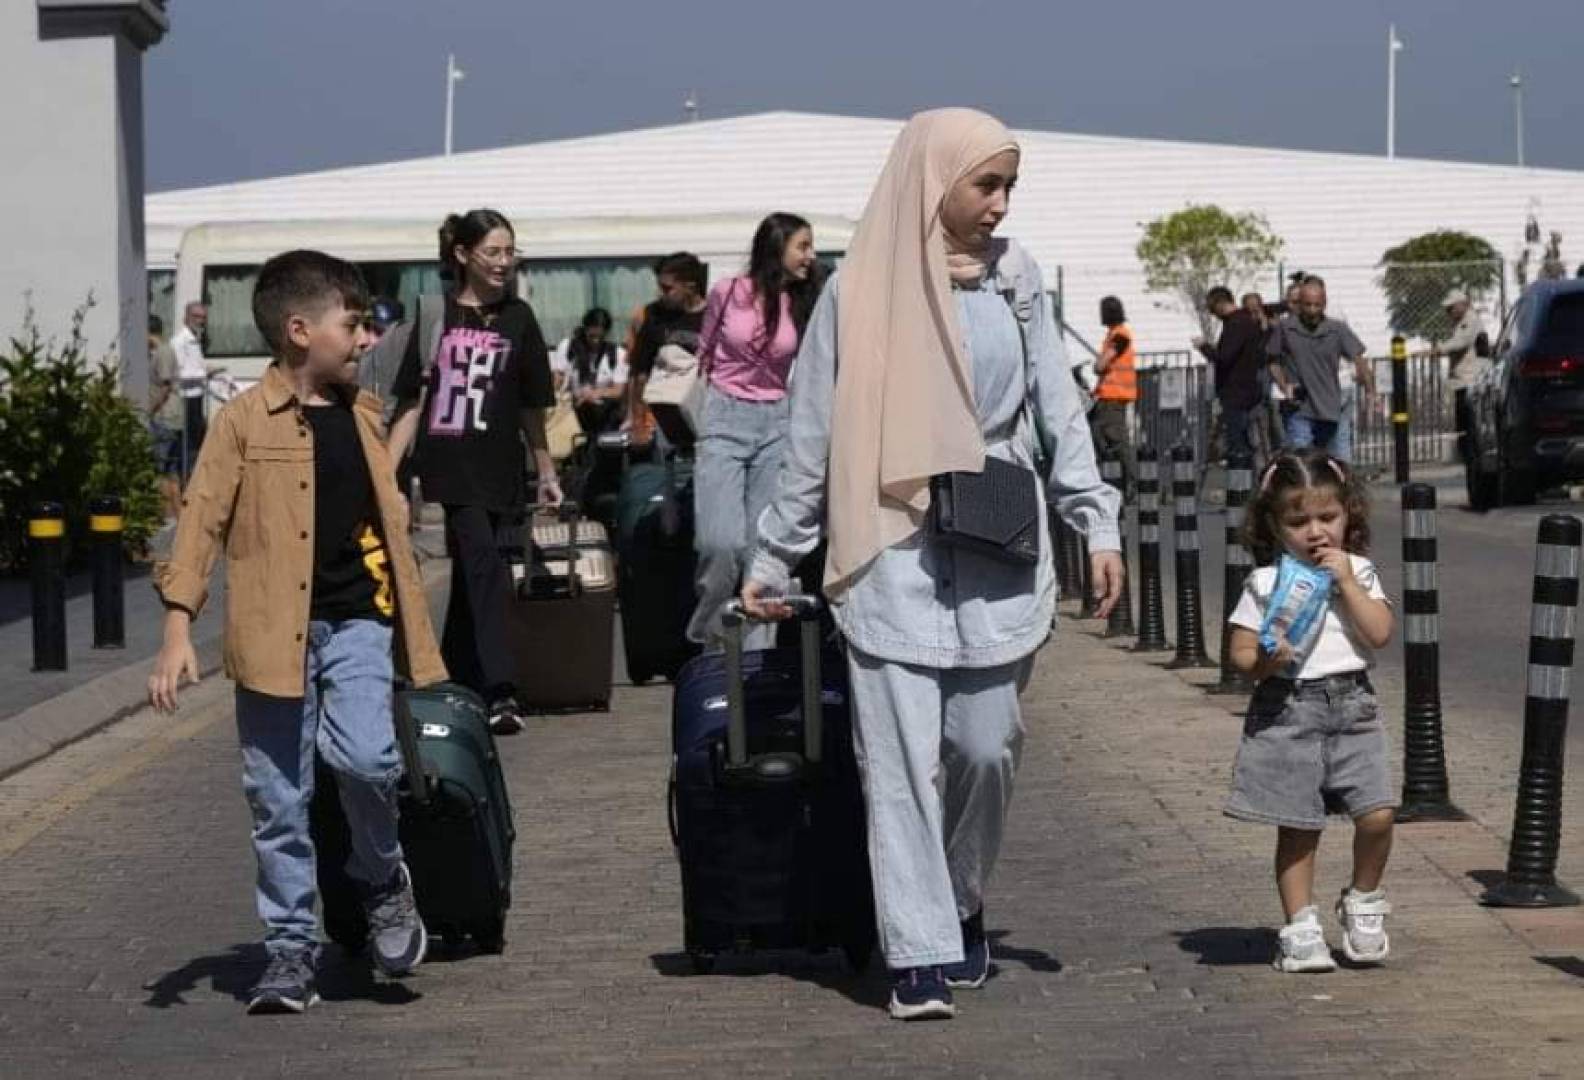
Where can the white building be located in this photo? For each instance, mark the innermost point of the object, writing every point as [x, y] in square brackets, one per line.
[72, 183]
[1080, 206]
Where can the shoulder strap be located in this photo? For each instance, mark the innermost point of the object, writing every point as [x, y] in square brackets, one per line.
[430, 325]
[1023, 311]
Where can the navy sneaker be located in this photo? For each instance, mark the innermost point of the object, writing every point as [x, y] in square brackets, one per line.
[287, 985]
[396, 934]
[921, 993]
[974, 969]
[505, 717]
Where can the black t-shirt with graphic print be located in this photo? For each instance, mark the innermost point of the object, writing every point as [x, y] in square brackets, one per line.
[351, 578]
[492, 363]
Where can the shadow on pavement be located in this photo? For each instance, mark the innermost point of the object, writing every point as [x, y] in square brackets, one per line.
[1229, 946]
[1033, 959]
[1567, 965]
[826, 970]
[233, 973]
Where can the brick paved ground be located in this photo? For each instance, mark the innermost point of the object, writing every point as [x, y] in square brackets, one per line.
[1130, 925]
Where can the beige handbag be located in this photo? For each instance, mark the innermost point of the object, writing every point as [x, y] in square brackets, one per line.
[562, 427]
[677, 381]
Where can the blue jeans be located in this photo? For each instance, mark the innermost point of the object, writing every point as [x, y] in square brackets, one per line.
[1342, 444]
[1305, 431]
[739, 460]
[344, 713]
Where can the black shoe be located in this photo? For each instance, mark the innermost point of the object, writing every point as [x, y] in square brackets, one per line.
[287, 985]
[974, 969]
[921, 993]
[505, 718]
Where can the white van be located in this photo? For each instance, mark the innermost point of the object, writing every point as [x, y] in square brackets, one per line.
[567, 266]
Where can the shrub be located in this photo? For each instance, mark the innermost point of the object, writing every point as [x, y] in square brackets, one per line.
[67, 434]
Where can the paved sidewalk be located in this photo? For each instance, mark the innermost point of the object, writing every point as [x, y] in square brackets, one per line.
[1130, 924]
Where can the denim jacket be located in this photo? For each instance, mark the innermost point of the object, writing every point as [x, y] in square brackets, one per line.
[920, 602]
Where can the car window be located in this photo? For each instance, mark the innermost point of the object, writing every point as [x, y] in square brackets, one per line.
[1561, 331]
[1504, 342]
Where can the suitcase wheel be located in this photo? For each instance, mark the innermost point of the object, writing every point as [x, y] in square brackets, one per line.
[703, 962]
[491, 936]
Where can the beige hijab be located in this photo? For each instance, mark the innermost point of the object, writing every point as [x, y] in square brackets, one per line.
[904, 406]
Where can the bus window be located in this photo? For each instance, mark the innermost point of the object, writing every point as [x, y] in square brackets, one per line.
[228, 294]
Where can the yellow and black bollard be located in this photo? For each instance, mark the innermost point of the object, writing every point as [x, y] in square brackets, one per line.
[106, 523]
[47, 556]
[1399, 407]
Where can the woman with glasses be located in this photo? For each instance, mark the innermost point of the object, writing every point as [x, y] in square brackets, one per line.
[469, 400]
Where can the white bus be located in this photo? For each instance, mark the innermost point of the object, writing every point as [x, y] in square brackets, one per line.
[567, 265]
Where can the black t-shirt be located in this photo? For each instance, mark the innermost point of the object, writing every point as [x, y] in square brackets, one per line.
[492, 363]
[1239, 358]
[351, 578]
[665, 325]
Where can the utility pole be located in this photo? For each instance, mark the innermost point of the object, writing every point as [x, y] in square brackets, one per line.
[1516, 82]
[1394, 45]
[454, 75]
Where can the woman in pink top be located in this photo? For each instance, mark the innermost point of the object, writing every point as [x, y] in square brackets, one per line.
[752, 328]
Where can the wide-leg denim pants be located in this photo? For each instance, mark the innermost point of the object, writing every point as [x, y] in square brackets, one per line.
[938, 749]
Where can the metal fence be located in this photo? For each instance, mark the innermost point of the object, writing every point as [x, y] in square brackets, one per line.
[1177, 402]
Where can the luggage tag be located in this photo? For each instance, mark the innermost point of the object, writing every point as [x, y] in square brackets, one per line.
[1297, 609]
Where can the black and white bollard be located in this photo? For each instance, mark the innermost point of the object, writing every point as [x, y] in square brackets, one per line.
[1190, 603]
[1069, 579]
[47, 559]
[1152, 609]
[1239, 564]
[1120, 621]
[1537, 822]
[1426, 796]
[106, 524]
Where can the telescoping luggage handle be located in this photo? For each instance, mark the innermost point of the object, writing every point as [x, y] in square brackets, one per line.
[806, 610]
[569, 513]
[407, 740]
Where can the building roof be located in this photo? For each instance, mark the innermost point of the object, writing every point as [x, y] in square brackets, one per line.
[1079, 209]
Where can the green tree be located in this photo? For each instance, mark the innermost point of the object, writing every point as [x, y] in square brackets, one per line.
[67, 434]
[1417, 275]
[1187, 252]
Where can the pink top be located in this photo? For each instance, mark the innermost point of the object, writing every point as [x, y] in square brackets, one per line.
[739, 361]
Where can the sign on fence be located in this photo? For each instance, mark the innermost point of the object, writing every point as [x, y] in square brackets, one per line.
[1174, 390]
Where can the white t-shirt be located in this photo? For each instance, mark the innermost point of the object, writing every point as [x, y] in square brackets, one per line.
[190, 364]
[1337, 650]
[606, 375]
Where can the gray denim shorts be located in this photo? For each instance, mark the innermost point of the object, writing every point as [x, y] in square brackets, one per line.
[1311, 748]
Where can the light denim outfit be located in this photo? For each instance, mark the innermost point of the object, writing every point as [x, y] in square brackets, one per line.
[344, 713]
[734, 478]
[940, 639]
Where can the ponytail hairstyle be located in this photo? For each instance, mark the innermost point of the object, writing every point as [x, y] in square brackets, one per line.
[1293, 473]
[767, 271]
[467, 231]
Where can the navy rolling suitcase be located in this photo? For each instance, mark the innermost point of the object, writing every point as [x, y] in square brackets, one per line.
[767, 810]
[456, 825]
[657, 565]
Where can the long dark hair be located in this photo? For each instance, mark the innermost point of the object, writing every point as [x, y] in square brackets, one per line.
[586, 360]
[1295, 471]
[1111, 313]
[767, 271]
[467, 231]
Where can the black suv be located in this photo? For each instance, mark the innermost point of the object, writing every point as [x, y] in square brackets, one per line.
[1525, 415]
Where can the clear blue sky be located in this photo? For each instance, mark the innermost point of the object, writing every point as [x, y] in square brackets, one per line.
[242, 90]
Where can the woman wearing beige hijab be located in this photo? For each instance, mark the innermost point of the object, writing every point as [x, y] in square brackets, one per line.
[932, 350]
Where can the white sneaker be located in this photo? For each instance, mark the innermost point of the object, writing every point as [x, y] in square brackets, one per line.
[1302, 945]
[1363, 918]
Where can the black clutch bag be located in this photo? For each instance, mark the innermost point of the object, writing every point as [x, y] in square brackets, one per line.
[994, 512]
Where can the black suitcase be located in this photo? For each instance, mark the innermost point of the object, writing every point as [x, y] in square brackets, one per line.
[456, 825]
[767, 810]
[656, 567]
[564, 615]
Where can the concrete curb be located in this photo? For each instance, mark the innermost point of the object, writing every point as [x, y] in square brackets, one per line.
[48, 727]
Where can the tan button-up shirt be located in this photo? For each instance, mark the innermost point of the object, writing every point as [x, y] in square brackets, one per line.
[252, 494]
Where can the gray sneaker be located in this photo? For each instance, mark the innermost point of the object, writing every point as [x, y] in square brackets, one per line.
[287, 985]
[396, 932]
